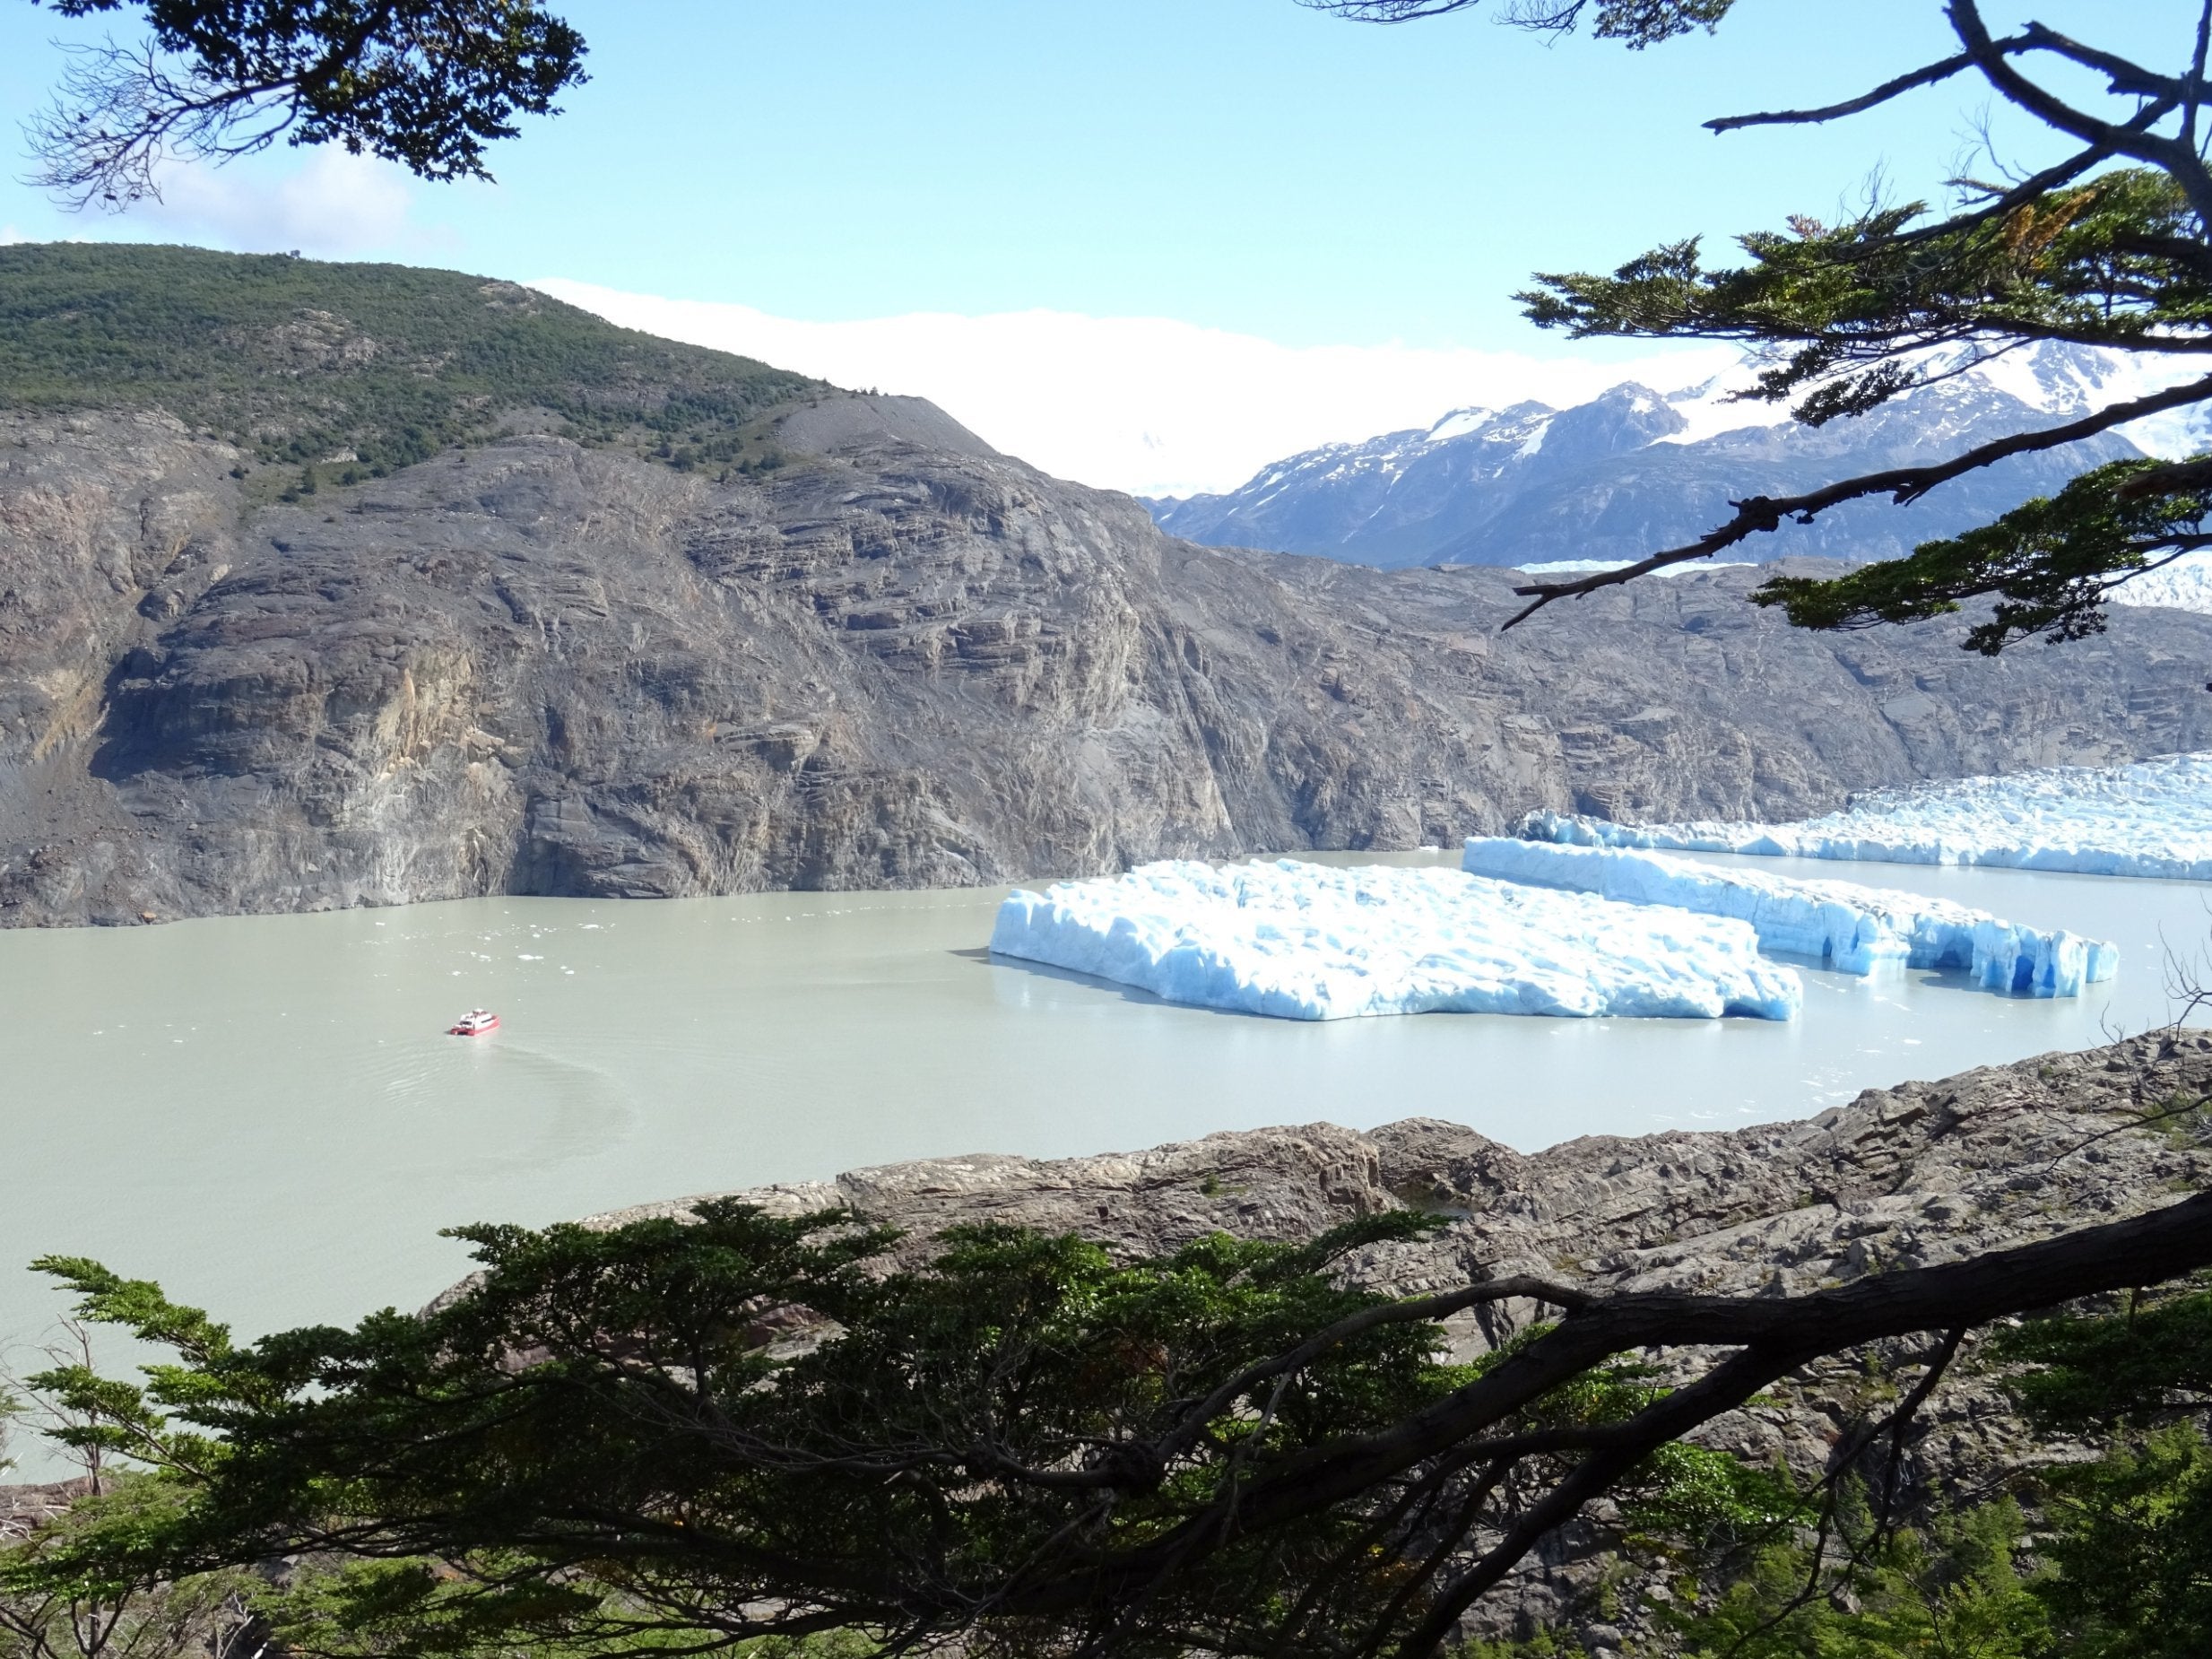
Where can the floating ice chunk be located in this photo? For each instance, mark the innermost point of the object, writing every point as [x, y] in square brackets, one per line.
[1859, 929]
[1310, 942]
[2151, 818]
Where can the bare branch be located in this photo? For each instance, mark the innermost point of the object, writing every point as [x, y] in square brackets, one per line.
[1396, 11]
[1928, 76]
[121, 114]
[2195, 97]
[2127, 78]
[2178, 160]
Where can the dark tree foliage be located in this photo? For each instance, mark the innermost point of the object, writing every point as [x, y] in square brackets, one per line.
[2104, 1551]
[682, 1434]
[2131, 1544]
[1953, 1588]
[2104, 245]
[1639, 22]
[295, 360]
[427, 84]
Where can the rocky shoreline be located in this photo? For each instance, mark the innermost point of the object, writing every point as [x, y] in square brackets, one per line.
[1908, 1176]
[1911, 1175]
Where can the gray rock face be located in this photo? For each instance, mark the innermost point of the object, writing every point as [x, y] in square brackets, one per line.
[1923, 1173]
[543, 668]
[1908, 1176]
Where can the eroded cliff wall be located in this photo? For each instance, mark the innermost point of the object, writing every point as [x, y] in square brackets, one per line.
[540, 667]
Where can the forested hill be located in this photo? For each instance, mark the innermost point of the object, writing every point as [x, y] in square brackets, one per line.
[380, 365]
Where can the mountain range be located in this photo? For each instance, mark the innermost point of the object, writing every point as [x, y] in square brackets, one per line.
[1633, 471]
[334, 585]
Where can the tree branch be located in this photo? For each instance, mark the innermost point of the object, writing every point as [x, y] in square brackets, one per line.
[2180, 163]
[1720, 1390]
[1928, 76]
[1776, 1335]
[1902, 484]
[1428, 1307]
[2127, 78]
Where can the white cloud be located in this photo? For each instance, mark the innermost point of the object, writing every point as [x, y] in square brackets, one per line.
[10, 234]
[1145, 405]
[333, 206]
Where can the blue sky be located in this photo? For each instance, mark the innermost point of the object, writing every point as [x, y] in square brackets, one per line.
[1242, 166]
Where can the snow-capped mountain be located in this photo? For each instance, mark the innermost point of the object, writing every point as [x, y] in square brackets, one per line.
[1633, 470]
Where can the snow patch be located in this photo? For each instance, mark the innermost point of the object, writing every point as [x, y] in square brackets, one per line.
[1309, 942]
[1709, 411]
[1457, 424]
[2151, 818]
[1858, 929]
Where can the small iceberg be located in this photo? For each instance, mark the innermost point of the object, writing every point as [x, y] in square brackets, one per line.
[2151, 818]
[1858, 929]
[1312, 941]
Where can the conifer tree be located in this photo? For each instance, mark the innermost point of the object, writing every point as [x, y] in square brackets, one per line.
[427, 84]
[2103, 243]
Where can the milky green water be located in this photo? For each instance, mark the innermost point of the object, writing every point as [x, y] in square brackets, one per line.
[264, 1113]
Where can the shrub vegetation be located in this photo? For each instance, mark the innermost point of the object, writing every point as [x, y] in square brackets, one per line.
[367, 367]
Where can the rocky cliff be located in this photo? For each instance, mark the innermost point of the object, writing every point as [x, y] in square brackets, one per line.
[899, 659]
[334, 585]
[1923, 1173]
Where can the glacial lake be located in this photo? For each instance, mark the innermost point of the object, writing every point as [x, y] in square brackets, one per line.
[264, 1113]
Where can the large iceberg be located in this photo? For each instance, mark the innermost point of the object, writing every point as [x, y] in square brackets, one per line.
[2151, 818]
[1310, 941]
[1858, 929]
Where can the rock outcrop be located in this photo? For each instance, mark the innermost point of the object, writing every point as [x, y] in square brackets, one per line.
[1920, 1173]
[900, 660]
[1923, 1173]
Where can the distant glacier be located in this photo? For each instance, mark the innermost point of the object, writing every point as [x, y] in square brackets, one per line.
[2151, 818]
[2183, 584]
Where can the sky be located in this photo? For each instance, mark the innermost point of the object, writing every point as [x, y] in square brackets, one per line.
[1150, 244]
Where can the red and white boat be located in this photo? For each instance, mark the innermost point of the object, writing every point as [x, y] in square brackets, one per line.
[476, 1022]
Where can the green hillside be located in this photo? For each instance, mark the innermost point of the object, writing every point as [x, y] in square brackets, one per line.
[297, 360]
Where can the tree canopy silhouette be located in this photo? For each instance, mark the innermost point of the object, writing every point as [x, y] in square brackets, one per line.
[677, 1435]
[427, 84]
[2105, 244]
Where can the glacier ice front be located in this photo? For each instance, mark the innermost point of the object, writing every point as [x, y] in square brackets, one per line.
[1310, 941]
[2151, 818]
[1858, 929]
